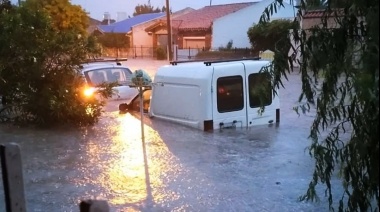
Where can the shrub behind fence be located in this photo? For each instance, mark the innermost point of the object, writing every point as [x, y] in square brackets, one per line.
[136, 52]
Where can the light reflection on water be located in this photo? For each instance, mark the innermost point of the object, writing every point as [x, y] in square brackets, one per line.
[123, 174]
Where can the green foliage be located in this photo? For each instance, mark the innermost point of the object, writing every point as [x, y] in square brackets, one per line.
[161, 53]
[39, 69]
[147, 8]
[5, 5]
[272, 35]
[339, 71]
[114, 40]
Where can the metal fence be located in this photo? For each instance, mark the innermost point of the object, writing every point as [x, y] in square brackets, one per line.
[132, 52]
[179, 54]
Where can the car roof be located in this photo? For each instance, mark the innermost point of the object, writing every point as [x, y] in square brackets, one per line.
[97, 65]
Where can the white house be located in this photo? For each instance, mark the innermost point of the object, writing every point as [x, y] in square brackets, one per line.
[234, 26]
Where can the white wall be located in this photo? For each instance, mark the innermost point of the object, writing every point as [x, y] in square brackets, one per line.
[235, 26]
[140, 36]
[142, 41]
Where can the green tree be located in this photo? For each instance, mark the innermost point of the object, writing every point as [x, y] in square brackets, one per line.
[339, 70]
[271, 35]
[39, 69]
[5, 5]
[63, 14]
[147, 8]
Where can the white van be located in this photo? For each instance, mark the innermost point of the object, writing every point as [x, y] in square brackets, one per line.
[213, 95]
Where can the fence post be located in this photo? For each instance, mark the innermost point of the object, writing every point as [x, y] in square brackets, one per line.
[11, 167]
[94, 206]
[142, 53]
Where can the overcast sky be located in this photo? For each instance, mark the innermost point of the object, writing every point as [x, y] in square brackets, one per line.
[97, 8]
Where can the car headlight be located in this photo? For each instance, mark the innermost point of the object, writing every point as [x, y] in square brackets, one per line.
[88, 92]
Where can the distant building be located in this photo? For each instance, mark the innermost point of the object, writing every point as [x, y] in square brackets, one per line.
[107, 19]
[107, 16]
[194, 29]
[225, 29]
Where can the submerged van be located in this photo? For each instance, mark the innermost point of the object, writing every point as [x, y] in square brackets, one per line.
[213, 95]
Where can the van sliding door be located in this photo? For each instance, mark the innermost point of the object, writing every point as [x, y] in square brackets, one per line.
[229, 102]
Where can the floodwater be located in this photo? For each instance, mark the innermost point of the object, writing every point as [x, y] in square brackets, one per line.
[176, 168]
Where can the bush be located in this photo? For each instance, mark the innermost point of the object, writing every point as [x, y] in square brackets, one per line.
[161, 53]
[39, 69]
[271, 35]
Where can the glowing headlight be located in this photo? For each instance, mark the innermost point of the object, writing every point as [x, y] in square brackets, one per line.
[89, 91]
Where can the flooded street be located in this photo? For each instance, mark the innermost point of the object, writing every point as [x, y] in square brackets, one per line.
[264, 168]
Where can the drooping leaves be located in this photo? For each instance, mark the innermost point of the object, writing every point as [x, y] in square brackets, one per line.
[339, 70]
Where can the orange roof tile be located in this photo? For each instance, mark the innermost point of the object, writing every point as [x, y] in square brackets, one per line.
[321, 12]
[202, 19]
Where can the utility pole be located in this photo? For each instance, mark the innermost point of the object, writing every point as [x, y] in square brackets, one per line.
[169, 30]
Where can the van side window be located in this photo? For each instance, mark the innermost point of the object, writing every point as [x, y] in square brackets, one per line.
[260, 92]
[230, 96]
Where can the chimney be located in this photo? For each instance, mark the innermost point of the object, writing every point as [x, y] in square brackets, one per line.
[107, 17]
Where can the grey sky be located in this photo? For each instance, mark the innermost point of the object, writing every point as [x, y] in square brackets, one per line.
[97, 8]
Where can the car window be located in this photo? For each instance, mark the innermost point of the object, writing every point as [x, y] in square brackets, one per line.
[108, 75]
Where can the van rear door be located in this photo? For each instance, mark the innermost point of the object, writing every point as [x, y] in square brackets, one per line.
[259, 93]
[229, 102]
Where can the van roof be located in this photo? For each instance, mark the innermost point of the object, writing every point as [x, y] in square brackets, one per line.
[211, 62]
[198, 70]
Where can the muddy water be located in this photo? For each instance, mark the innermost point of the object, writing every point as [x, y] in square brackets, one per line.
[175, 168]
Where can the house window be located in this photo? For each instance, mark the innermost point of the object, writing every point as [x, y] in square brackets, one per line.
[260, 92]
[230, 96]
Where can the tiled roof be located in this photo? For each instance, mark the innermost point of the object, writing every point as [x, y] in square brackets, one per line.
[320, 12]
[202, 19]
[92, 24]
[93, 21]
[161, 22]
[125, 26]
